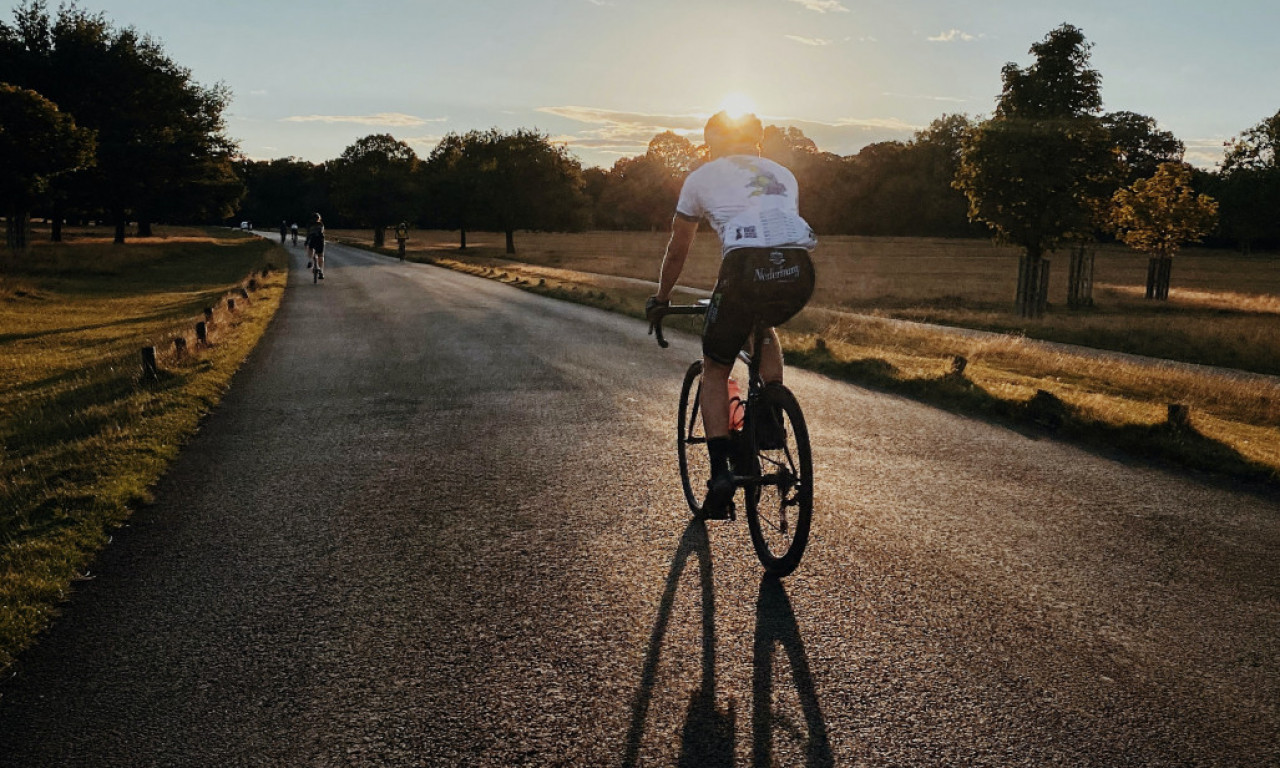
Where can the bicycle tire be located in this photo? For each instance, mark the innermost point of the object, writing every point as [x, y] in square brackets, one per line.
[315, 274]
[785, 485]
[695, 465]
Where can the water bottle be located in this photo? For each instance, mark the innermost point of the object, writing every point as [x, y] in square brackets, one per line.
[737, 408]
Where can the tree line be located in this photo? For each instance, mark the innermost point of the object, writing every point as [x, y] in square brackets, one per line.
[1047, 170]
[98, 123]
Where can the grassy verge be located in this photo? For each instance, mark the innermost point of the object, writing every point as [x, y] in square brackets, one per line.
[84, 433]
[1233, 428]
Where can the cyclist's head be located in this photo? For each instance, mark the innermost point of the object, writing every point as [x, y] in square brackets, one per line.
[726, 135]
[316, 219]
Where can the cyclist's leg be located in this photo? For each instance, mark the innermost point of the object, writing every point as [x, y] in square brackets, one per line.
[771, 358]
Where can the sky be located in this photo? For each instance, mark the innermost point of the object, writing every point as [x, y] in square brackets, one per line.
[604, 76]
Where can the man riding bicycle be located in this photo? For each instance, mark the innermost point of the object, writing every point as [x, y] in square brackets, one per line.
[315, 245]
[765, 277]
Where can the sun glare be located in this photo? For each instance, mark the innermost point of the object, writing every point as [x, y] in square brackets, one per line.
[737, 104]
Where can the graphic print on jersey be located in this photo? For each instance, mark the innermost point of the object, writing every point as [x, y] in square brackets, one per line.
[762, 182]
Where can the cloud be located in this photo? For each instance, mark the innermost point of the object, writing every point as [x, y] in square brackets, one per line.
[1205, 154]
[626, 134]
[951, 35]
[384, 119]
[817, 41]
[926, 97]
[823, 6]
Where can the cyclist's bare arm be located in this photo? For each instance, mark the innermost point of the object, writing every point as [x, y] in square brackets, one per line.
[682, 232]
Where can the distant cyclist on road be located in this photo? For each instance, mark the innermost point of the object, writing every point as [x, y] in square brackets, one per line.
[315, 244]
[293, 228]
[765, 271]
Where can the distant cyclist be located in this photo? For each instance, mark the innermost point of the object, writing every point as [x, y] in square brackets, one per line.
[765, 275]
[315, 244]
[293, 228]
[283, 232]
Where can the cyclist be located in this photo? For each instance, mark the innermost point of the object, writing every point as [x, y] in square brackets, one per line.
[293, 228]
[766, 274]
[315, 244]
[282, 232]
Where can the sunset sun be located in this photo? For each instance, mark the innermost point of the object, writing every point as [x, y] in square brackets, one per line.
[737, 104]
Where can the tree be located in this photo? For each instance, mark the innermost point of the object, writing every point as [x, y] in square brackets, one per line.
[1159, 214]
[1140, 145]
[1036, 171]
[452, 183]
[38, 143]
[373, 183]
[1249, 185]
[162, 150]
[529, 183]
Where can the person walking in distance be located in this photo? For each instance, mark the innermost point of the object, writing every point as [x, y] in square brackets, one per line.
[766, 275]
[315, 244]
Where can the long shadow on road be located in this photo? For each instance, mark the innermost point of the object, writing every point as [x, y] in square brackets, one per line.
[708, 735]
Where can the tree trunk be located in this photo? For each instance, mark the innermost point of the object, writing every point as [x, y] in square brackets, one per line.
[120, 227]
[463, 247]
[379, 236]
[511, 242]
[55, 229]
[1159, 270]
[1033, 284]
[16, 231]
[1080, 279]
[144, 228]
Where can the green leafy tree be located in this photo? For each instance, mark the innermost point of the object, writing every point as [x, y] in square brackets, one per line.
[162, 149]
[1157, 216]
[1037, 171]
[38, 143]
[527, 182]
[1140, 145]
[374, 183]
[1249, 186]
[641, 192]
[451, 183]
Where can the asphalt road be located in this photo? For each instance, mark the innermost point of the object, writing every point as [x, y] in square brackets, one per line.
[438, 521]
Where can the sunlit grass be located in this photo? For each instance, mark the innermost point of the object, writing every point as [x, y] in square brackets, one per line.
[84, 436]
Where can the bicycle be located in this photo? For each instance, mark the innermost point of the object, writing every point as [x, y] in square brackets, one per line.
[773, 463]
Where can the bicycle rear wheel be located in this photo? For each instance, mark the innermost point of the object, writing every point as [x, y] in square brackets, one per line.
[780, 506]
[691, 440]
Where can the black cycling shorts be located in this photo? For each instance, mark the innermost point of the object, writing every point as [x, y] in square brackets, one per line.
[317, 245]
[756, 285]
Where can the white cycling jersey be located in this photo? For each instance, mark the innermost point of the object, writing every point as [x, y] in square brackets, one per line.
[752, 202]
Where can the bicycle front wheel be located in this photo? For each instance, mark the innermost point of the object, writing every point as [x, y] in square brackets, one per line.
[780, 506]
[691, 440]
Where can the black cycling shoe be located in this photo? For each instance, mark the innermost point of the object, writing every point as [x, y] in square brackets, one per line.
[718, 504]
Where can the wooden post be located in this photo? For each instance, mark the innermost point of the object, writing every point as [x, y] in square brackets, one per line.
[1179, 415]
[231, 305]
[208, 314]
[243, 293]
[202, 334]
[180, 345]
[253, 284]
[149, 369]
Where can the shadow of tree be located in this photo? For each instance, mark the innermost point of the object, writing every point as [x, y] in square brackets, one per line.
[1163, 444]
